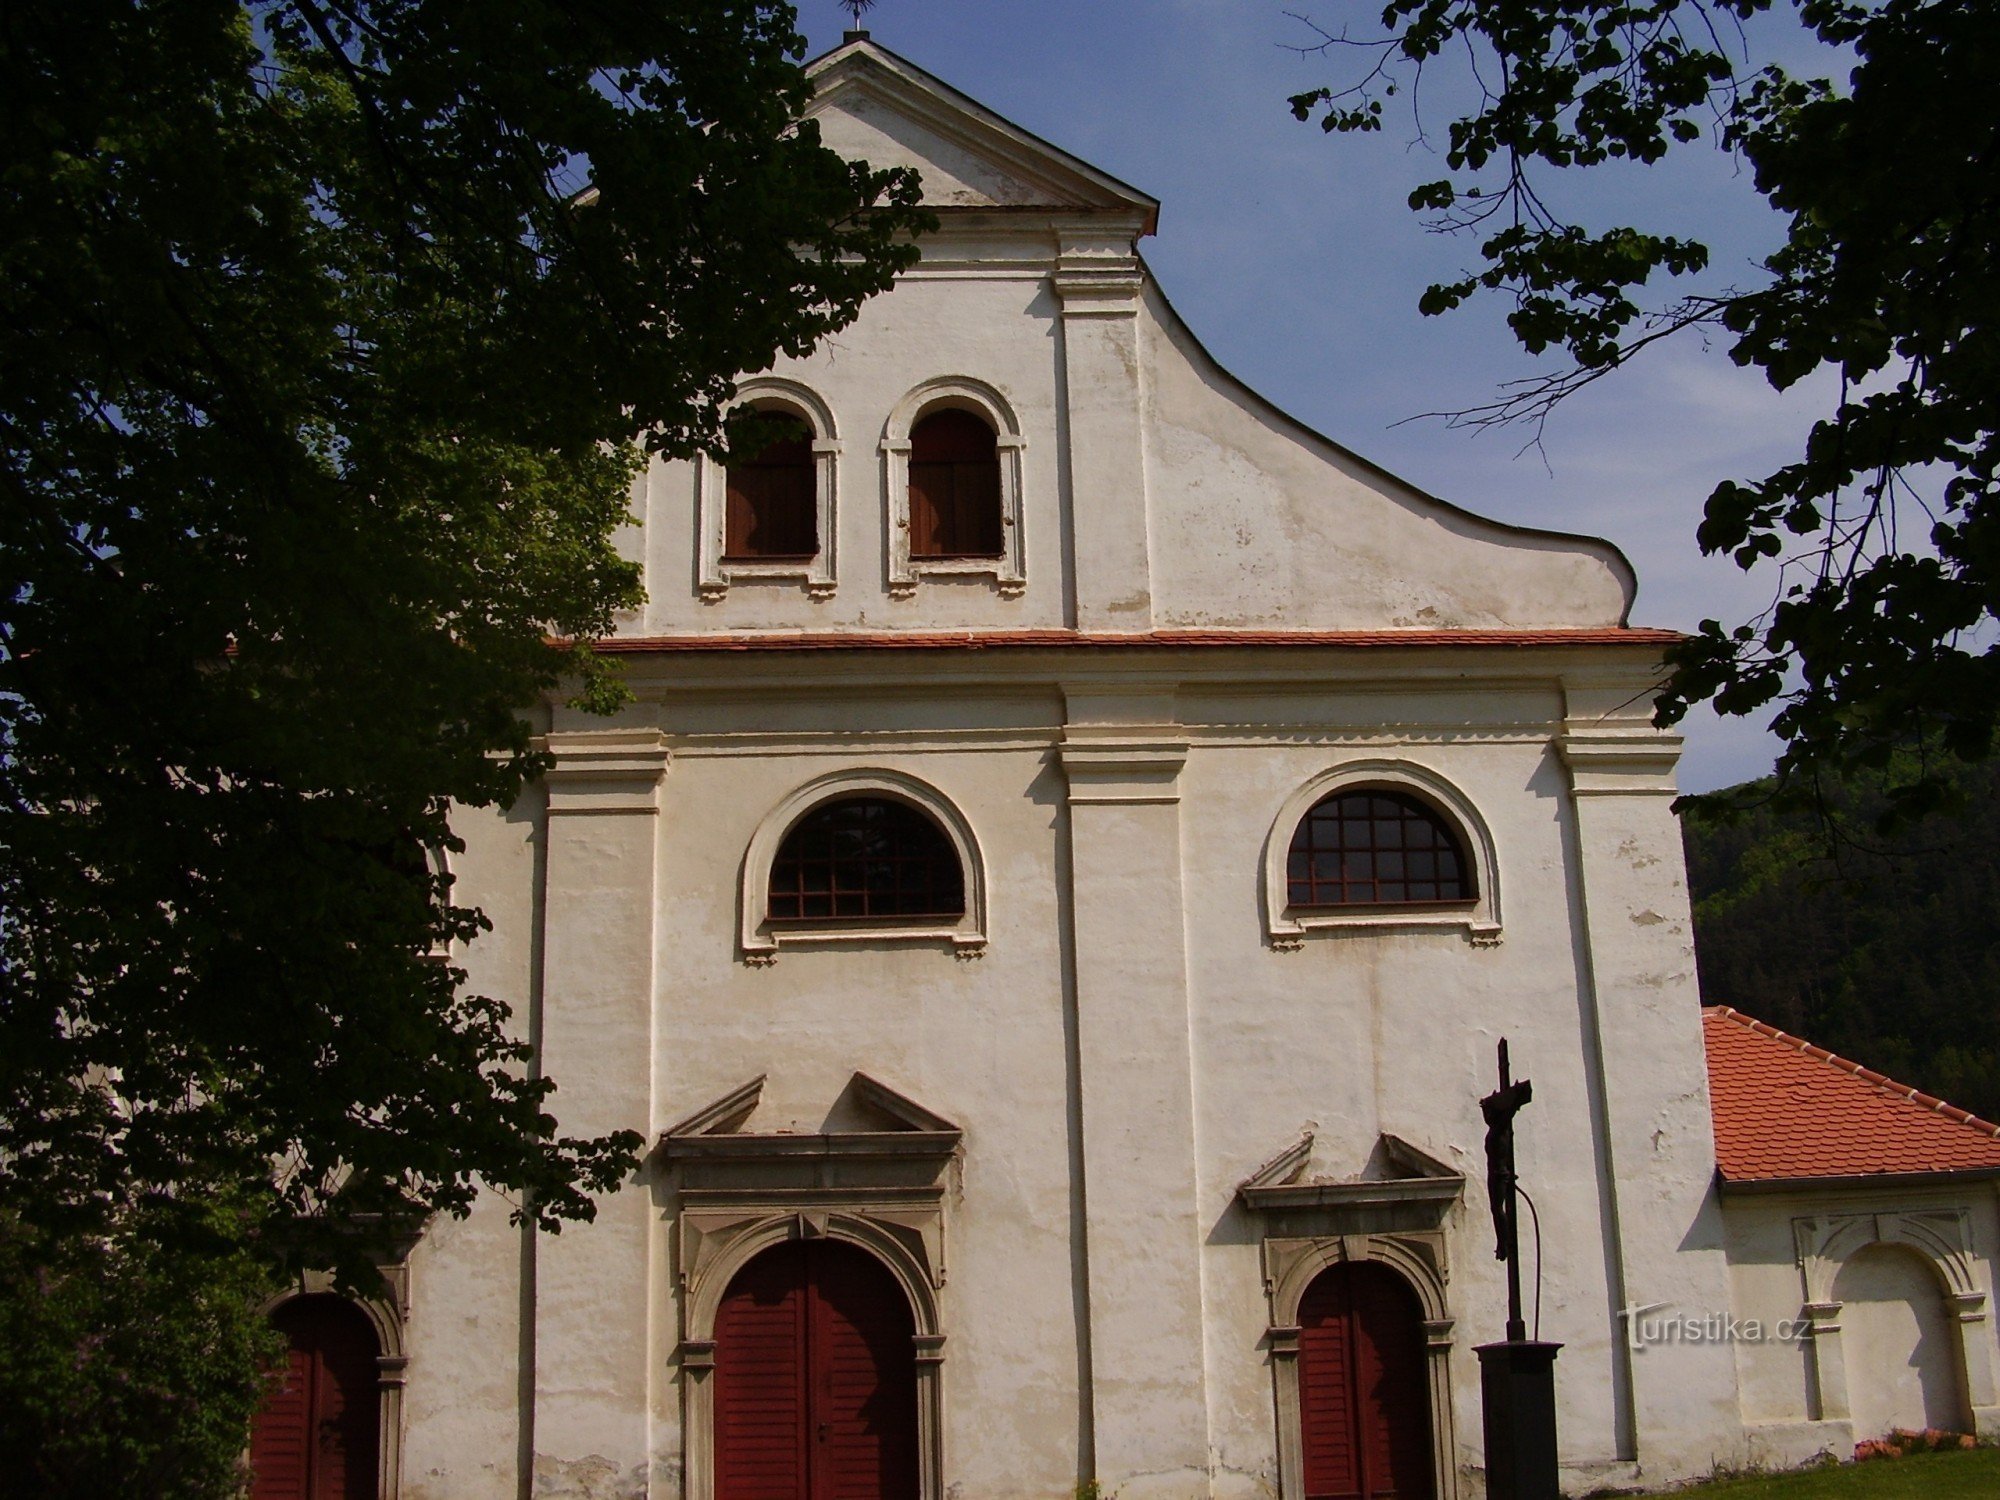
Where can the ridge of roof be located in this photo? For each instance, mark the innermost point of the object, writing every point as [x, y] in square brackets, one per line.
[1772, 1125]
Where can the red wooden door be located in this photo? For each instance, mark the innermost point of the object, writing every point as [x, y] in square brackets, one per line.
[315, 1436]
[1364, 1400]
[815, 1379]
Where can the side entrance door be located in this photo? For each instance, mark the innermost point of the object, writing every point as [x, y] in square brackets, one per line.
[815, 1379]
[1364, 1398]
[317, 1434]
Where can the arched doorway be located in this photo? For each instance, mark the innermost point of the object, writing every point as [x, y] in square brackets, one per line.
[1900, 1344]
[1364, 1398]
[815, 1379]
[316, 1436]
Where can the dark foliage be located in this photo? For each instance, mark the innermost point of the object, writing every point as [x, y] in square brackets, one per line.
[1884, 171]
[332, 336]
[123, 1362]
[1886, 951]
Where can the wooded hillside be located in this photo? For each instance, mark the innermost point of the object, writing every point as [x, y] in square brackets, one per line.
[1889, 955]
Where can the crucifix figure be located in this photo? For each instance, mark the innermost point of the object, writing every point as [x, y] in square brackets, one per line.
[1499, 1108]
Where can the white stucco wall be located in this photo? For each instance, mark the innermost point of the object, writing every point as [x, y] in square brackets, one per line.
[1350, 1035]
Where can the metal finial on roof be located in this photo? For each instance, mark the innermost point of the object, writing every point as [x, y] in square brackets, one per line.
[856, 9]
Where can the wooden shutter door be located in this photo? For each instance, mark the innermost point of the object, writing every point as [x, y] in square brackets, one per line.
[1364, 1397]
[317, 1435]
[281, 1434]
[1327, 1418]
[1393, 1386]
[815, 1379]
[864, 1379]
[760, 1380]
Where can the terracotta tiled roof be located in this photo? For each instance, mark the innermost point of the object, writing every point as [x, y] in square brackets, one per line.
[1785, 1109]
[981, 640]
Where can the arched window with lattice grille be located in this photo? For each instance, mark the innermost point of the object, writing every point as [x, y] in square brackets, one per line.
[1376, 846]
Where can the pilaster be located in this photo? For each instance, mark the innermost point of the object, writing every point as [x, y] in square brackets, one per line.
[1122, 755]
[1098, 282]
[1643, 1006]
[592, 1281]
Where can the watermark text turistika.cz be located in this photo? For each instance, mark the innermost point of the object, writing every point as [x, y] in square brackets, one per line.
[1652, 1323]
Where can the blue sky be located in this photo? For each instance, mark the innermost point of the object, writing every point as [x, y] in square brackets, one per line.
[1294, 258]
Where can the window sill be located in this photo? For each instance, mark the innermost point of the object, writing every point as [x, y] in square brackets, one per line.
[1289, 931]
[965, 938]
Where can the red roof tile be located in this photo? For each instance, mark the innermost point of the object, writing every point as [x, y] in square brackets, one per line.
[1785, 1109]
[978, 640]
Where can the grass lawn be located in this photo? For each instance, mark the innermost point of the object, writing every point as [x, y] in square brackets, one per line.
[1923, 1476]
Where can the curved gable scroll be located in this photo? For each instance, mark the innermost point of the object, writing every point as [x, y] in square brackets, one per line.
[954, 393]
[761, 937]
[817, 572]
[1287, 926]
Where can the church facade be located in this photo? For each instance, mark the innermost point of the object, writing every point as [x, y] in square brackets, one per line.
[1051, 907]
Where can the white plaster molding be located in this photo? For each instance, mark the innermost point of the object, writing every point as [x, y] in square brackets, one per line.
[958, 393]
[1122, 763]
[818, 572]
[1078, 190]
[1290, 1268]
[724, 1114]
[606, 770]
[1287, 926]
[1619, 757]
[1424, 1192]
[1097, 272]
[760, 938]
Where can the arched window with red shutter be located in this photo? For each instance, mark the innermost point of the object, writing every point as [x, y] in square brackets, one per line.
[954, 460]
[772, 508]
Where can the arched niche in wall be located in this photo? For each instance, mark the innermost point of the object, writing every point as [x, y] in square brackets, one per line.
[717, 569]
[761, 936]
[907, 567]
[1942, 1240]
[1287, 923]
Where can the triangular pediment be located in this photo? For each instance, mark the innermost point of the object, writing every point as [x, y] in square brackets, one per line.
[874, 106]
[1395, 1172]
[867, 1117]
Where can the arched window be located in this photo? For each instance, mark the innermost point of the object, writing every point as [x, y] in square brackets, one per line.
[772, 510]
[954, 487]
[1375, 847]
[768, 514]
[865, 857]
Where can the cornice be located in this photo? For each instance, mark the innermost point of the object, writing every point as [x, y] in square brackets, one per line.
[605, 770]
[1620, 758]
